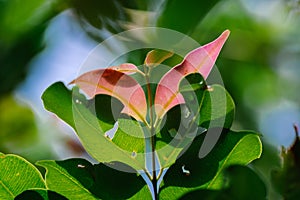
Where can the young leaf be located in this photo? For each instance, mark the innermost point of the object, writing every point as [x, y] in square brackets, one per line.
[200, 60]
[208, 173]
[118, 85]
[79, 179]
[17, 175]
[155, 57]
[126, 68]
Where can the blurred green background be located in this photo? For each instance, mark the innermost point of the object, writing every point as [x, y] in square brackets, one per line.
[44, 41]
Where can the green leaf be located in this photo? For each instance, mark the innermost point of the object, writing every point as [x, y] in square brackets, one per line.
[156, 57]
[39, 194]
[207, 173]
[107, 110]
[79, 179]
[144, 194]
[58, 179]
[17, 175]
[217, 108]
[58, 99]
[244, 184]
[130, 136]
[184, 15]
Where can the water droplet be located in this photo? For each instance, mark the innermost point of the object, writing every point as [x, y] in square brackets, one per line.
[187, 112]
[185, 171]
[209, 88]
[201, 82]
[133, 154]
[80, 166]
[78, 101]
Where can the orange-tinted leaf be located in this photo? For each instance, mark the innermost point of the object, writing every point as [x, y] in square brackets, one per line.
[126, 68]
[118, 85]
[200, 60]
[155, 57]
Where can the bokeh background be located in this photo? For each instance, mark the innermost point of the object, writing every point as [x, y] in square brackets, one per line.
[44, 41]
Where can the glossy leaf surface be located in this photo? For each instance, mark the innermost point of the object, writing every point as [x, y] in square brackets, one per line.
[208, 173]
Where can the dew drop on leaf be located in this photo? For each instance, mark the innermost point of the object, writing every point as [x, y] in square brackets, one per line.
[133, 154]
[187, 112]
[78, 101]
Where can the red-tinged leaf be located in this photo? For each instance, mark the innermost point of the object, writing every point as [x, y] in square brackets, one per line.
[200, 60]
[155, 57]
[118, 85]
[126, 68]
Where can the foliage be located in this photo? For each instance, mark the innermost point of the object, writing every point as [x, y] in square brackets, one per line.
[141, 144]
[250, 74]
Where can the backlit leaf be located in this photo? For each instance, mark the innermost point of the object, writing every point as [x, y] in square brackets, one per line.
[17, 175]
[118, 85]
[155, 57]
[79, 179]
[200, 60]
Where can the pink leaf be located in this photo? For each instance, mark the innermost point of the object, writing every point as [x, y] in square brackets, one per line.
[200, 60]
[118, 85]
[126, 68]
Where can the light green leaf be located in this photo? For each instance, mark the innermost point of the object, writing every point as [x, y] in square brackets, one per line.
[58, 179]
[58, 99]
[17, 175]
[217, 109]
[144, 194]
[130, 136]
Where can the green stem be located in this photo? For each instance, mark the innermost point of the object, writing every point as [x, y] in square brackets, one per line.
[152, 133]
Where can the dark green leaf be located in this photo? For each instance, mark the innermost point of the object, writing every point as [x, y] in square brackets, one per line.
[243, 184]
[58, 99]
[79, 179]
[207, 173]
[38, 194]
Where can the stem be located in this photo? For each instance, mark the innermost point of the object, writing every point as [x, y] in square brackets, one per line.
[152, 132]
